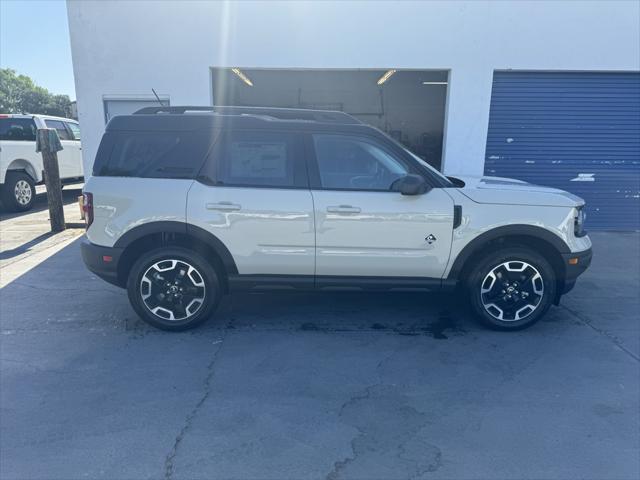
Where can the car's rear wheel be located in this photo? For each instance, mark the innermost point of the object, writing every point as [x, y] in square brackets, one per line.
[511, 289]
[173, 288]
[18, 192]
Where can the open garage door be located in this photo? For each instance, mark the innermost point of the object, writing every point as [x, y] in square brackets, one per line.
[409, 105]
[576, 131]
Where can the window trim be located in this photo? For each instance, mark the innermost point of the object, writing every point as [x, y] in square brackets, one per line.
[315, 180]
[300, 174]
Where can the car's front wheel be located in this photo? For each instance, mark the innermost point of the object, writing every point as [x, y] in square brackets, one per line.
[18, 192]
[173, 288]
[512, 289]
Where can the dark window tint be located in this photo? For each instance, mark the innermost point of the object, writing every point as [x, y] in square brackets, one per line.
[152, 155]
[17, 129]
[355, 163]
[63, 133]
[258, 159]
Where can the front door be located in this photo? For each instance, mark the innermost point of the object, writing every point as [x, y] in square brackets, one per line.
[253, 195]
[75, 137]
[365, 229]
[70, 153]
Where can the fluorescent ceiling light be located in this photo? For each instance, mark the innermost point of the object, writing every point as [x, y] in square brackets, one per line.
[434, 83]
[386, 76]
[242, 76]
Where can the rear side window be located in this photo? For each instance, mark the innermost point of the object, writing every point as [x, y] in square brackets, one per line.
[63, 133]
[23, 129]
[152, 155]
[257, 159]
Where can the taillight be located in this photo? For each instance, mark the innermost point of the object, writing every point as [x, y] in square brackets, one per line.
[87, 208]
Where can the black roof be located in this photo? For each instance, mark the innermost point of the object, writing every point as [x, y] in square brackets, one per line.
[184, 118]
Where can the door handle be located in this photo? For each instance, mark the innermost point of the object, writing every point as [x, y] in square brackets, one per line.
[223, 206]
[343, 209]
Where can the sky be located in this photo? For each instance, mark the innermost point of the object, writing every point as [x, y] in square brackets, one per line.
[34, 41]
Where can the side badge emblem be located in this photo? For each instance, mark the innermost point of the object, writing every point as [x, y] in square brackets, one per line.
[431, 238]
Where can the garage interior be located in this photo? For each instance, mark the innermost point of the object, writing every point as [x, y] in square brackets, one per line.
[409, 105]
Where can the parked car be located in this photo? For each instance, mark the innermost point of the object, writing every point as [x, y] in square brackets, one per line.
[21, 166]
[184, 206]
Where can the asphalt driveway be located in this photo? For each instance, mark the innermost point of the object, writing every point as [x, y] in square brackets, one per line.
[276, 386]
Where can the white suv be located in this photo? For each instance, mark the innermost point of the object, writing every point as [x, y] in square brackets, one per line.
[21, 166]
[185, 205]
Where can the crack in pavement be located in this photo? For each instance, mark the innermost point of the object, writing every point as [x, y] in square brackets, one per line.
[169, 467]
[340, 465]
[388, 430]
[615, 340]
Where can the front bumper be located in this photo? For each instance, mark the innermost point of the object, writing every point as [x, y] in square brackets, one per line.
[574, 265]
[102, 261]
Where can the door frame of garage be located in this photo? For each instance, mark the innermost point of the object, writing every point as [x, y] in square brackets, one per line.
[164, 98]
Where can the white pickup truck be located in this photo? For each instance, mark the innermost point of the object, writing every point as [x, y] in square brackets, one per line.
[21, 166]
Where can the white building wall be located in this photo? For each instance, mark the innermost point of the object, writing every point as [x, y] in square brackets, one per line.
[127, 48]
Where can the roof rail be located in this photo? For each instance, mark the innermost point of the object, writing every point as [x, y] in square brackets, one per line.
[324, 116]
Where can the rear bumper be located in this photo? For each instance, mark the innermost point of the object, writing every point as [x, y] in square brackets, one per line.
[574, 265]
[101, 261]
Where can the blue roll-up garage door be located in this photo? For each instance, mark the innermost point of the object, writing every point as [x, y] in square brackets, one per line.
[576, 131]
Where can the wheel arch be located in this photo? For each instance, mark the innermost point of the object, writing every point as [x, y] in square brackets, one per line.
[169, 233]
[548, 244]
[21, 165]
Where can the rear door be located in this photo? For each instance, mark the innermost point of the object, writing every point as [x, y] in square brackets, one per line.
[363, 228]
[253, 195]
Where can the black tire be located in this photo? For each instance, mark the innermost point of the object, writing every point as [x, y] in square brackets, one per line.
[158, 298]
[18, 192]
[507, 292]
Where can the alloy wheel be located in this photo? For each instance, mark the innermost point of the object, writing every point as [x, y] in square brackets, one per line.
[173, 289]
[22, 192]
[512, 291]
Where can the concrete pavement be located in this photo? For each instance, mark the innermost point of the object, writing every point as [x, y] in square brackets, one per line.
[26, 239]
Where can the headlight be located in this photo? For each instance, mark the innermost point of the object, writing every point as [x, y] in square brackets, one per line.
[581, 216]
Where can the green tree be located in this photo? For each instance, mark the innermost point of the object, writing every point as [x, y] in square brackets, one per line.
[19, 94]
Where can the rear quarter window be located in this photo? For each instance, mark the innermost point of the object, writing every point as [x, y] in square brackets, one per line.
[22, 129]
[152, 155]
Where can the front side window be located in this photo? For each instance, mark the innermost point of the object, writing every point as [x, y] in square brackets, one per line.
[348, 162]
[256, 159]
[75, 130]
[63, 133]
[20, 129]
[152, 155]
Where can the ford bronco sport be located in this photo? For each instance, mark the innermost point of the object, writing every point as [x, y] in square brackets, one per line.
[186, 204]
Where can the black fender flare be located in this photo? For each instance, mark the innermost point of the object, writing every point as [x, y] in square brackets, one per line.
[184, 229]
[481, 241]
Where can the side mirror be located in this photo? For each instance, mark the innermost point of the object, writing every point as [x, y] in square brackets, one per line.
[411, 184]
